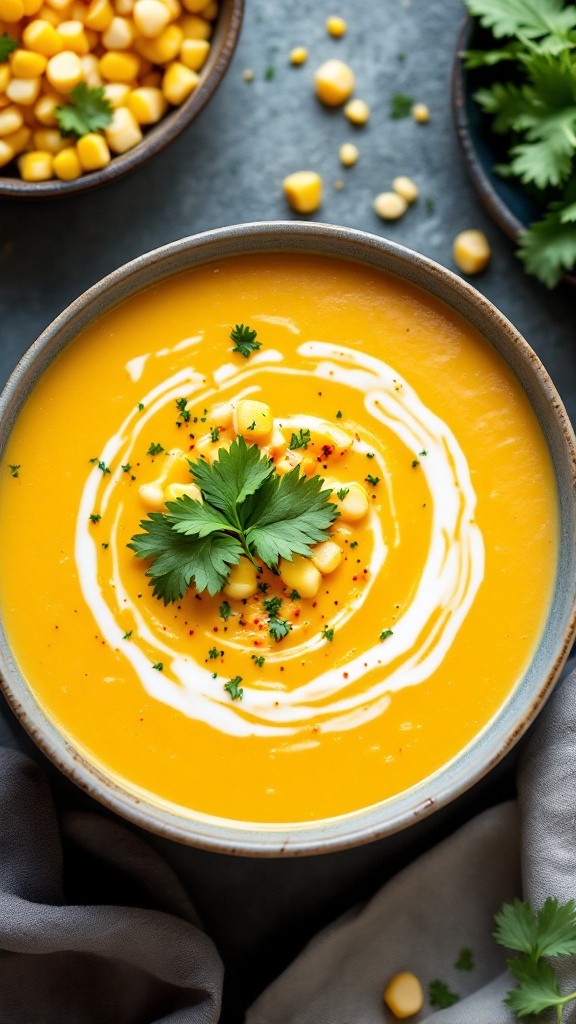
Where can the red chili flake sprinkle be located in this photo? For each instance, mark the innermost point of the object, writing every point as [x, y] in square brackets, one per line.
[190, 632]
[327, 450]
[345, 675]
[354, 578]
[314, 603]
[215, 630]
[357, 436]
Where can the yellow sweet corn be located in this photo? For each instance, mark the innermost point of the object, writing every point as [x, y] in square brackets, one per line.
[45, 110]
[303, 190]
[31, 7]
[194, 6]
[299, 55]
[348, 154]
[123, 132]
[420, 113]
[178, 82]
[193, 53]
[357, 111]
[35, 166]
[243, 581]
[119, 35]
[74, 37]
[210, 12]
[4, 77]
[66, 164]
[11, 11]
[64, 71]
[403, 995]
[253, 420]
[336, 26]
[99, 15]
[147, 105]
[406, 188]
[195, 27]
[117, 93]
[119, 66]
[41, 37]
[300, 574]
[335, 82]
[326, 556]
[93, 152]
[24, 91]
[471, 251]
[164, 48]
[151, 17]
[11, 120]
[390, 205]
[174, 491]
[49, 140]
[26, 64]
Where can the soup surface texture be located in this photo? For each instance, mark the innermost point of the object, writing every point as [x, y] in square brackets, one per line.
[413, 641]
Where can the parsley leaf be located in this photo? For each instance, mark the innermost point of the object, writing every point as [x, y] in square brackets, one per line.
[385, 634]
[234, 689]
[234, 476]
[300, 440]
[538, 988]
[548, 248]
[465, 961]
[328, 634]
[225, 611]
[291, 513]
[400, 106]
[154, 449]
[244, 339]
[278, 628]
[272, 605]
[183, 411]
[213, 653]
[373, 480]
[14, 469]
[522, 17]
[89, 111]
[258, 659]
[440, 995]
[341, 494]
[7, 46]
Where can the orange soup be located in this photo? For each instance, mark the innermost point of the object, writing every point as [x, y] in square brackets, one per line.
[387, 581]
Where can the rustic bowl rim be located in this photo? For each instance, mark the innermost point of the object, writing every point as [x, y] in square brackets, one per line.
[227, 32]
[507, 726]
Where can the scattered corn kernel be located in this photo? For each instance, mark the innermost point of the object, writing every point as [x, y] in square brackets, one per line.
[253, 419]
[195, 27]
[66, 164]
[193, 53]
[119, 35]
[248, 75]
[27, 64]
[221, 415]
[74, 37]
[303, 191]
[194, 6]
[178, 82]
[406, 188]
[93, 152]
[41, 37]
[348, 154]
[420, 113]
[164, 48]
[357, 111]
[49, 140]
[335, 82]
[91, 71]
[390, 206]
[354, 505]
[64, 71]
[243, 580]
[45, 111]
[99, 15]
[11, 120]
[123, 132]
[299, 55]
[117, 94]
[152, 496]
[35, 166]
[11, 11]
[119, 66]
[471, 251]
[326, 556]
[24, 91]
[151, 17]
[300, 574]
[16, 142]
[147, 105]
[174, 491]
[403, 995]
[336, 26]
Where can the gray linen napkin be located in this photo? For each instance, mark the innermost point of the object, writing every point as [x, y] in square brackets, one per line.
[94, 927]
[446, 900]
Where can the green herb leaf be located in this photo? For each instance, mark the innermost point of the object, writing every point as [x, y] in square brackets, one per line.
[465, 961]
[95, 517]
[7, 46]
[278, 628]
[295, 596]
[127, 635]
[14, 469]
[158, 666]
[154, 449]
[225, 611]
[550, 932]
[89, 111]
[528, 18]
[300, 440]
[272, 605]
[292, 513]
[213, 653]
[385, 634]
[126, 467]
[400, 106]
[234, 476]
[183, 411]
[548, 248]
[373, 480]
[234, 689]
[328, 634]
[440, 996]
[244, 339]
[538, 988]
[194, 518]
[258, 659]
[341, 494]
[214, 434]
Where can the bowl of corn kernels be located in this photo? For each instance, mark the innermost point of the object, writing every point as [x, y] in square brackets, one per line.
[91, 89]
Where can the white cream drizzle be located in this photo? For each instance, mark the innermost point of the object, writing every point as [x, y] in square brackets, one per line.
[423, 634]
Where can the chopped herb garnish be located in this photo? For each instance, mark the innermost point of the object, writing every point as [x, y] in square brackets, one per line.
[339, 415]
[234, 689]
[278, 628]
[354, 544]
[341, 494]
[213, 653]
[252, 426]
[140, 406]
[465, 961]
[126, 467]
[214, 675]
[370, 455]
[105, 544]
[430, 204]
[272, 605]
[270, 73]
[183, 411]
[385, 634]
[14, 469]
[328, 633]
[95, 517]
[423, 453]
[373, 480]
[127, 635]
[263, 587]
[300, 440]
[88, 111]
[101, 465]
[400, 106]
[158, 666]
[295, 596]
[7, 46]
[244, 339]
[225, 611]
[214, 434]
[415, 463]
[258, 659]
[154, 449]
[440, 996]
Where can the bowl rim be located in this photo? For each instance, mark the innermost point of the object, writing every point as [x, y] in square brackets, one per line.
[490, 198]
[494, 741]
[227, 26]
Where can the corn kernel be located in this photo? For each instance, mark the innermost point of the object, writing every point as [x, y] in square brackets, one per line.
[164, 48]
[471, 251]
[348, 154]
[26, 64]
[248, 75]
[195, 27]
[119, 66]
[124, 7]
[99, 15]
[174, 8]
[66, 164]
[152, 495]
[178, 82]
[35, 166]
[31, 7]
[151, 17]
[74, 37]
[210, 450]
[420, 113]
[91, 71]
[403, 995]
[123, 132]
[341, 534]
[303, 191]
[335, 82]
[11, 11]
[253, 419]
[93, 152]
[17, 141]
[194, 6]
[193, 53]
[326, 556]
[119, 35]
[58, 5]
[6, 153]
[336, 26]
[174, 491]
[406, 188]
[45, 110]
[354, 505]
[288, 462]
[299, 55]
[300, 574]
[210, 12]
[78, 11]
[117, 93]
[11, 120]
[24, 91]
[64, 71]
[243, 581]
[278, 443]
[147, 105]
[49, 140]
[390, 206]
[41, 37]
[357, 111]
[47, 13]
[4, 77]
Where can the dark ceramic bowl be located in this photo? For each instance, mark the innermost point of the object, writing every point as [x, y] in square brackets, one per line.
[226, 32]
[506, 202]
[531, 691]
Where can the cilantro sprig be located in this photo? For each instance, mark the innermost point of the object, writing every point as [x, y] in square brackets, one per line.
[534, 107]
[7, 46]
[244, 339]
[248, 509]
[88, 111]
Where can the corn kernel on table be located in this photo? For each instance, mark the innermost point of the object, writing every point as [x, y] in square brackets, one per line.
[229, 167]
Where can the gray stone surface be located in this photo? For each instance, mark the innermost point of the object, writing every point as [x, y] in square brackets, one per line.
[228, 167]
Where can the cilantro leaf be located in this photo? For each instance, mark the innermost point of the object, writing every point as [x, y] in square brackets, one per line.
[400, 106]
[195, 518]
[528, 18]
[440, 996]
[234, 689]
[233, 477]
[244, 339]
[328, 634]
[465, 961]
[272, 605]
[225, 611]
[538, 988]
[549, 932]
[516, 927]
[293, 512]
[7, 46]
[548, 248]
[278, 628]
[300, 440]
[89, 111]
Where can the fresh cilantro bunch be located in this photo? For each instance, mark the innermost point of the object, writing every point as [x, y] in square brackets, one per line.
[88, 111]
[535, 109]
[537, 935]
[247, 509]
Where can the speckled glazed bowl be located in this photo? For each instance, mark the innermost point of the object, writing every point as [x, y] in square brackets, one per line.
[226, 33]
[532, 690]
